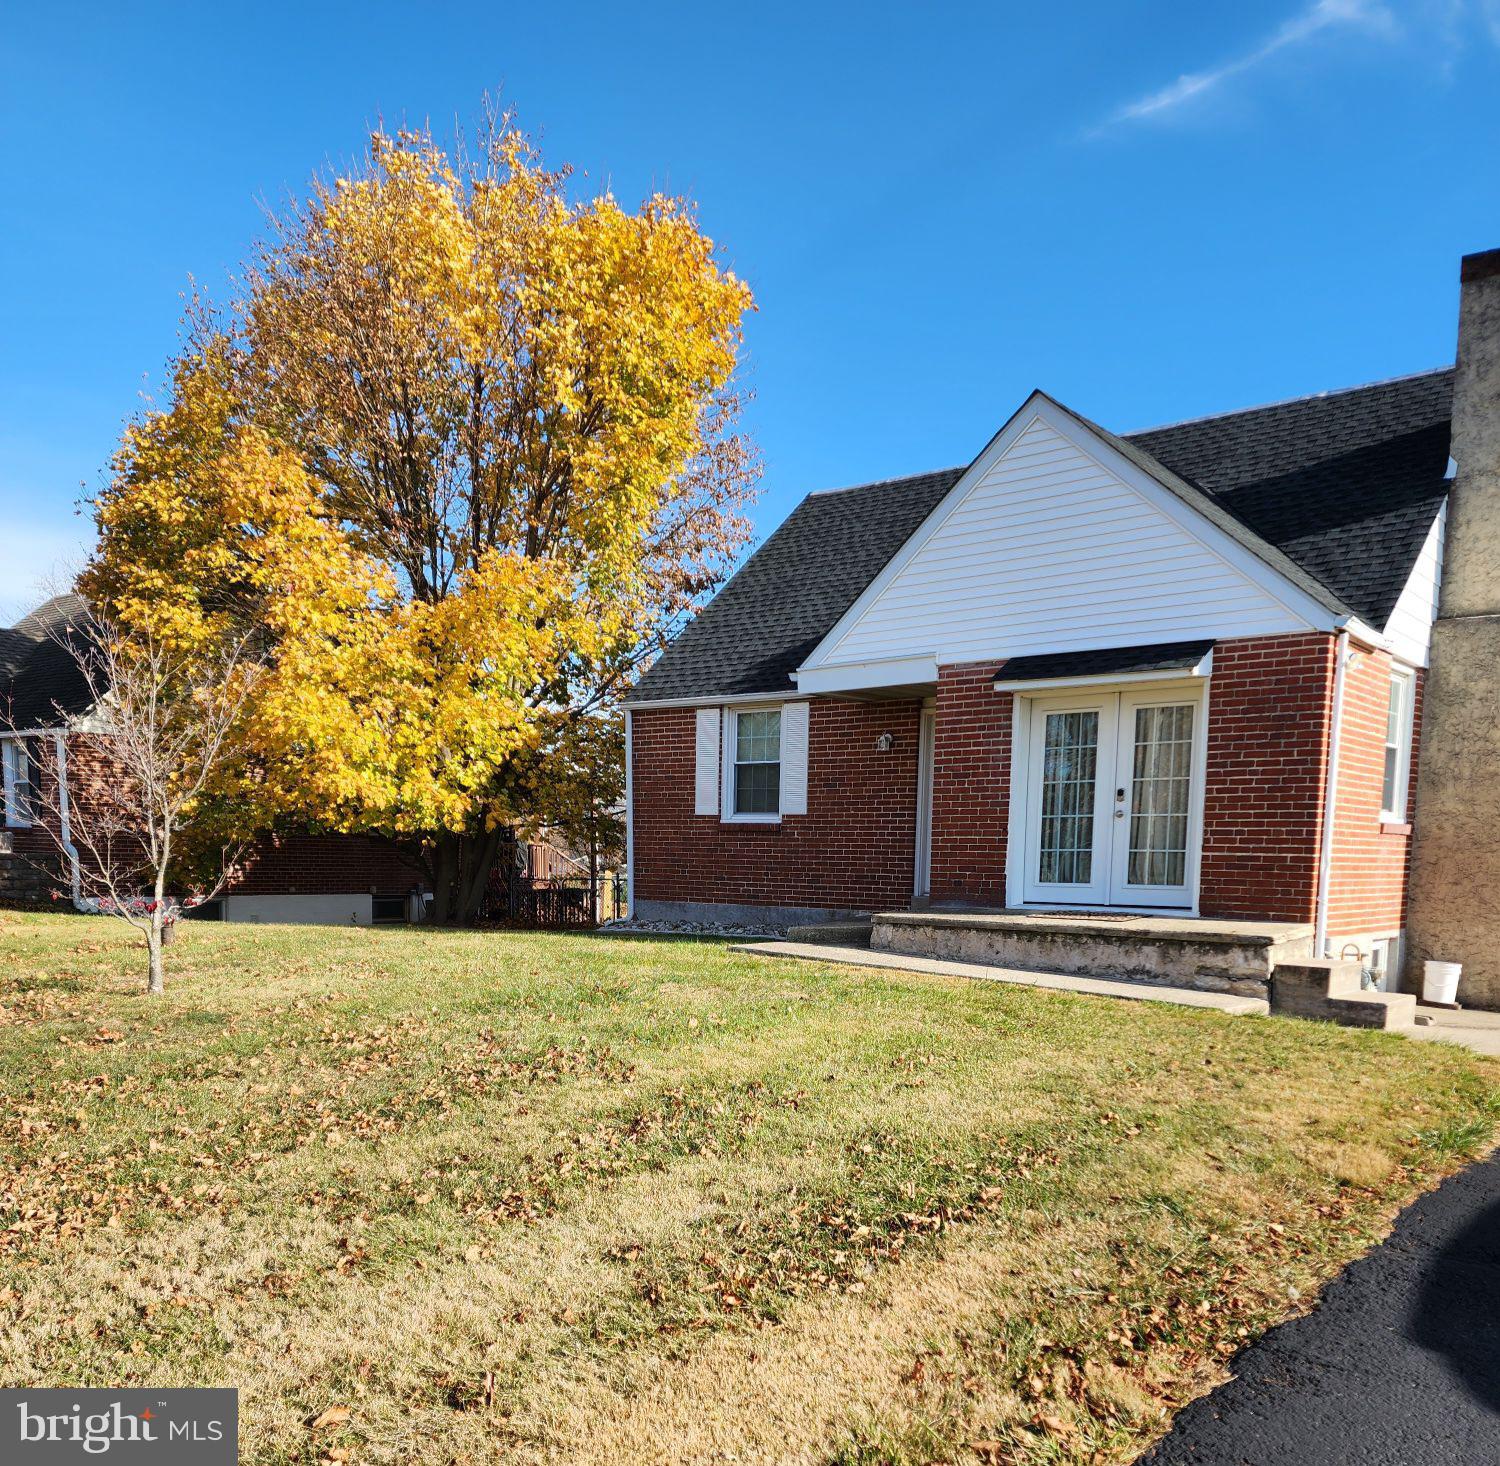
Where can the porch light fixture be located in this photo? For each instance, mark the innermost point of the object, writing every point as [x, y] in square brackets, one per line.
[885, 743]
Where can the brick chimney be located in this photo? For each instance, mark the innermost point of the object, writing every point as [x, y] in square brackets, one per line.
[1454, 912]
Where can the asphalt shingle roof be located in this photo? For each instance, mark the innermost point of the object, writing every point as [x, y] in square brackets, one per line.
[40, 684]
[1344, 484]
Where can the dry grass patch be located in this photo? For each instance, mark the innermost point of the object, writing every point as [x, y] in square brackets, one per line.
[543, 1198]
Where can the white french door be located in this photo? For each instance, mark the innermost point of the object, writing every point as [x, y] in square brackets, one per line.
[1113, 799]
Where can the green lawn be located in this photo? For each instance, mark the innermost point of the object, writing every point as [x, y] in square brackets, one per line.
[479, 1196]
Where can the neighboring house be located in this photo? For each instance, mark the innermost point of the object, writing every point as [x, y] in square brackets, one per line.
[1176, 672]
[44, 734]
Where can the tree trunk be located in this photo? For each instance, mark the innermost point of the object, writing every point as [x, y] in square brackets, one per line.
[461, 867]
[444, 878]
[156, 978]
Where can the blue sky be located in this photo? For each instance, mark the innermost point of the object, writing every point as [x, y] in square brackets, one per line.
[1152, 210]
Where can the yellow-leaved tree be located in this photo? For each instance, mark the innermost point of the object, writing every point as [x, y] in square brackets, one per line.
[460, 453]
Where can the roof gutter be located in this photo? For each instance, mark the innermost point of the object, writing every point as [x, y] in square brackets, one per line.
[1330, 794]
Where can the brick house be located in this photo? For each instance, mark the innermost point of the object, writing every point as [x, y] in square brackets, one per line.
[1176, 674]
[44, 739]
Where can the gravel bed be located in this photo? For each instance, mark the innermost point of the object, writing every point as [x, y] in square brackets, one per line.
[689, 929]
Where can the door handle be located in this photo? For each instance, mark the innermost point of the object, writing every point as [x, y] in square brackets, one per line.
[1119, 814]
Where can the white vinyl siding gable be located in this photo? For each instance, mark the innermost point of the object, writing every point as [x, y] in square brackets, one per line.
[1408, 632]
[1048, 549]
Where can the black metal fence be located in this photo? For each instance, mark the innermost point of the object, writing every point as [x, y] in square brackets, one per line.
[554, 903]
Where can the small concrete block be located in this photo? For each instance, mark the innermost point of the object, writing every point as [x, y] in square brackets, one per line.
[1321, 975]
[832, 933]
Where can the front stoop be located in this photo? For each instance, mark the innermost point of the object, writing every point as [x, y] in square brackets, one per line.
[1213, 956]
[1331, 991]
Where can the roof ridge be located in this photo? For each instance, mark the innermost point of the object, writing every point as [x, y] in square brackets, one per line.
[1183, 422]
[876, 483]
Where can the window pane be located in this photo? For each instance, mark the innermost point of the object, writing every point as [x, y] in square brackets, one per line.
[758, 739]
[1069, 750]
[1392, 795]
[757, 788]
[20, 795]
[1392, 769]
[1159, 796]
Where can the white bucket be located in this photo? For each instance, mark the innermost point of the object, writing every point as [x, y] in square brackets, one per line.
[1440, 982]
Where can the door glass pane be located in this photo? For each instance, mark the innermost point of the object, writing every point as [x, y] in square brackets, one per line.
[1159, 792]
[1070, 751]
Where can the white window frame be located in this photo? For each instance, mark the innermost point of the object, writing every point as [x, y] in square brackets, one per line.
[730, 750]
[1407, 679]
[17, 770]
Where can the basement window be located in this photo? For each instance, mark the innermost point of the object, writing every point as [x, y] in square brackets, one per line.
[1398, 731]
[755, 766]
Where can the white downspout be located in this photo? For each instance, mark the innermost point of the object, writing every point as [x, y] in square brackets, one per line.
[629, 821]
[64, 822]
[1330, 795]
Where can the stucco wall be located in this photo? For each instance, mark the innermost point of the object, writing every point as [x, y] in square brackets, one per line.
[1454, 910]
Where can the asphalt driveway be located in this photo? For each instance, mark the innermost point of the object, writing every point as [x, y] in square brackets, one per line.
[1399, 1365]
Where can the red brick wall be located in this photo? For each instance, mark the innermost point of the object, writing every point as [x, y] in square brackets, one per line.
[1270, 705]
[970, 786]
[1269, 713]
[297, 863]
[35, 870]
[1367, 884]
[852, 850]
[322, 865]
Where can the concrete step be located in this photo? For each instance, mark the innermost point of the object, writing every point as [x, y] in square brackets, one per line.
[832, 933]
[1215, 956]
[1330, 992]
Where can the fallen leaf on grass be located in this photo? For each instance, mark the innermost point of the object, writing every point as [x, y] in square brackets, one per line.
[333, 1415]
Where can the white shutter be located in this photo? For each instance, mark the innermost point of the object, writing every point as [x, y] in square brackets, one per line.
[794, 758]
[706, 787]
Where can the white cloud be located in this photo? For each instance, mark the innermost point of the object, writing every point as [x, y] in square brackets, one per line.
[1322, 16]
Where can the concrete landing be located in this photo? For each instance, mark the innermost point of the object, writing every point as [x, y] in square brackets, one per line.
[1102, 987]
